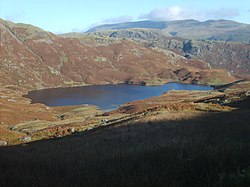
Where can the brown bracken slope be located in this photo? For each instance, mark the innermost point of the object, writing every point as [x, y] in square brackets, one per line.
[33, 58]
[182, 138]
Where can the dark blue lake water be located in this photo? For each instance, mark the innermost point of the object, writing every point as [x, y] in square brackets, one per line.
[106, 97]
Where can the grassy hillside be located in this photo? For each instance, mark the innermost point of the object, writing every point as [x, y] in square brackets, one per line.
[191, 149]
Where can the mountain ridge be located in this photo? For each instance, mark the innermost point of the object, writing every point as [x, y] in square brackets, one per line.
[221, 43]
[189, 29]
[33, 58]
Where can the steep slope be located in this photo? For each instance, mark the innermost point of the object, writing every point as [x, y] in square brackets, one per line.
[18, 63]
[233, 56]
[225, 30]
[33, 58]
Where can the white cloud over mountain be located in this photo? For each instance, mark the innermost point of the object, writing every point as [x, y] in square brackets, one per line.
[173, 13]
[178, 13]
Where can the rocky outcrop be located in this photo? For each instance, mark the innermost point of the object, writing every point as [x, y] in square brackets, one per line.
[3, 143]
[233, 56]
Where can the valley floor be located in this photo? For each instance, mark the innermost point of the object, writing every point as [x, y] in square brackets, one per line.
[201, 139]
[22, 122]
[198, 149]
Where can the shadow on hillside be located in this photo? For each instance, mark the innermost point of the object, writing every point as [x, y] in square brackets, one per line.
[210, 150]
[241, 105]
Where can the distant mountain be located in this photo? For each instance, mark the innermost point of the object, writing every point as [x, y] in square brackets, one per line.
[225, 30]
[234, 56]
[33, 58]
[221, 43]
[130, 25]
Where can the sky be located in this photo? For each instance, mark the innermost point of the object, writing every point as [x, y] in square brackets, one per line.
[61, 16]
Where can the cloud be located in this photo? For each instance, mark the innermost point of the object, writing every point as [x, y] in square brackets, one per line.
[120, 19]
[179, 13]
[173, 13]
[167, 13]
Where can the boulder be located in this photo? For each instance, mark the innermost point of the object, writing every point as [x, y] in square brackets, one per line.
[3, 143]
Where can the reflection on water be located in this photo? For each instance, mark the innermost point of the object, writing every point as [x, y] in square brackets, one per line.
[106, 97]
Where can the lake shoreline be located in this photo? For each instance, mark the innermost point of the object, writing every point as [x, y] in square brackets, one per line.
[38, 121]
[106, 97]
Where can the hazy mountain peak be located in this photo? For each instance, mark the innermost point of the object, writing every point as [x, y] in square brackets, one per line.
[226, 30]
